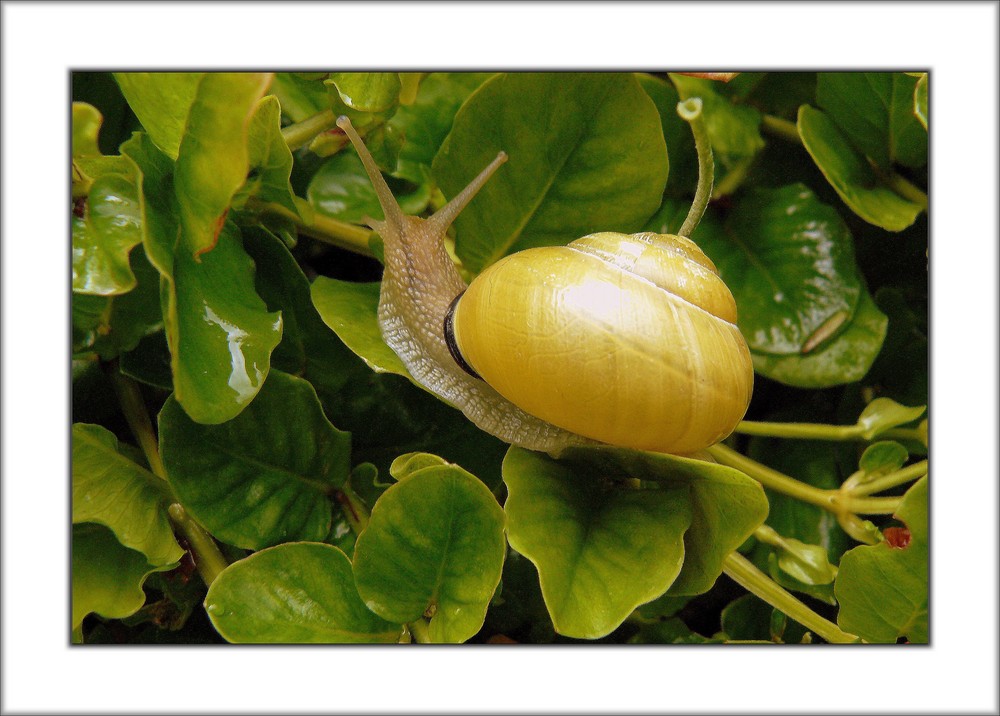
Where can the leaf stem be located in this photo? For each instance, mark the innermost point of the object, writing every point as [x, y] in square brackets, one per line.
[804, 431]
[341, 234]
[207, 557]
[775, 480]
[690, 111]
[743, 572]
[421, 634]
[782, 128]
[906, 189]
[892, 479]
[301, 133]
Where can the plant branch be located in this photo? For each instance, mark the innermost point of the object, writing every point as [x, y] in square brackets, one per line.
[804, 431]
[690, 111]
[892, 479]
[322, 228]
[774, 480]
[743, 572]
[778, 127]
[207, 557]
[301, 133]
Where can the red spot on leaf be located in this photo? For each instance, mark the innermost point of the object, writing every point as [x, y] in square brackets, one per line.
[79, 206]
[897, 537]
[219, 223]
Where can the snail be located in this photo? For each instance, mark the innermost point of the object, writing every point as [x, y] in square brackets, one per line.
[627, 340]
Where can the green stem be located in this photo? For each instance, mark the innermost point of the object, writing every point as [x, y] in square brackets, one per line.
[867, 505]
[207, 557]
[905, 188]
[893, 479]
[301, 133]
[690, 112]
[421, 634]
[744, 573]
[782, 128]
[914, 434]
[322, 228]
[137, 417]
[804, 431]
[775, 480]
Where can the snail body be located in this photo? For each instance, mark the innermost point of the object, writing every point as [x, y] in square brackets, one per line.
[622, 339]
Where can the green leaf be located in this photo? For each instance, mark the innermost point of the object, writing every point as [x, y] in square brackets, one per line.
[425, 123]
[875, 111]
[294, 594]
[882, 458]
[308, 348]
[161, 101]
[107, 577]
[846, 359]
[586, 153]
[214, 157]
[883, 414]
[341, 189]
[218, 329]
[882, 589]
[807, 563]
[104, 237]
[110, 489]
[733, 129]
[920, 100]
[264, 477]
[601, 550]
[300, 97]
[434, 547]
[851, 176]
[683, 175]
[87, 121]
[366, 91]
[351, 311]
[789, 261]
[747, 618]
[269, 157]
[726, 505]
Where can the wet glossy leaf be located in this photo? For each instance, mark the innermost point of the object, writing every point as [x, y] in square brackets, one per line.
[104, 237]
[876, 112]
[111, 489]
[107, 577]
[218, 329]
[789, 261]
[264, 477]
[294, 594]
[884, 413]
[882, 589]
[213, 158]
[161, 101]
[351, 311]
[586, 154]
[601, 550]
[851, 176]
[845, 359]
[434, 547]
[726, 505]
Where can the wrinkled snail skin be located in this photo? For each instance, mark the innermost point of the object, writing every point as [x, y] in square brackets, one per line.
[622, 339]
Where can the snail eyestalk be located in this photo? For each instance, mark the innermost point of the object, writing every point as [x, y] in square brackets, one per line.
[690, 111]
